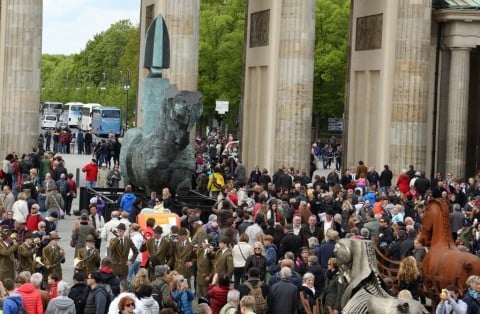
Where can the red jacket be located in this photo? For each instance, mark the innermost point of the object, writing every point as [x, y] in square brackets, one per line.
[91, 172]
[403, 182]
[218, 297]
[53, 290]
[72, 186]
[32, 222]
[147, 234]
[32, 299]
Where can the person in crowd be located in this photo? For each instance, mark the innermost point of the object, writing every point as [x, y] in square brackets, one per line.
[72, 193]
[13, 301]
[31, 297]
[114, 177]
[283, 295]
[108, 231]
[471, 296]
[126, 305]
[137, 239]
[62, 303]
[161, 288]
[240, 252]
[91, 171]
[78, 291]
[409, 277]
[126, 290]
[233, 301]
[52, 285]
[102, 176]
[183, 295]
[308, 294]
[247, 305]
[80, 233]
[205, 270]
[36, 279]
[150, 305]
[218, 291]
[450, 303]
[127, 200]
[120, 253]
[98, 297]
[223, 262]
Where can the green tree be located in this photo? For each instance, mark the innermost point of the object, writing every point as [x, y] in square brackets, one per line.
[332, 21]
[222, 25]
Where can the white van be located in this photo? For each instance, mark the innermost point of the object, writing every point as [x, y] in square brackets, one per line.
[48, 121]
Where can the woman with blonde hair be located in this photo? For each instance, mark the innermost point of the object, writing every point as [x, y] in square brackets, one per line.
[257, 260]
[409, 277]
[141, 278]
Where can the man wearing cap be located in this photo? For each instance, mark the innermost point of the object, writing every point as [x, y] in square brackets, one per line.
[120, 247]
[88, 256]
[157, 246]
[8, 247]
[26, 252]
[223, 257]
[183, 254]
[53, 256]
[91, 170]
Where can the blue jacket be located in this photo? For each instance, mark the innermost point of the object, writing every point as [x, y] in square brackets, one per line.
[184, 299]
[127, 201]
[11, 305]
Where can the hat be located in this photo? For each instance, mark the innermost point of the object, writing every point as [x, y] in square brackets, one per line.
[89, 238]
[161, 270]
[121, 226]
[224, 239]
[158, 230]
[29, 235]
[54, 236]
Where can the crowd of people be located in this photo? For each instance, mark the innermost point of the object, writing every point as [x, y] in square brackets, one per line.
[268, 245]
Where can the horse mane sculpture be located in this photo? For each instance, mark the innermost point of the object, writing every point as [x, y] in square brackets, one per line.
[444, 263]
[364, 289]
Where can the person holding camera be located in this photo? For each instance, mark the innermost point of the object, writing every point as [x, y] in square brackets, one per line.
[183, 296]
[450, 303]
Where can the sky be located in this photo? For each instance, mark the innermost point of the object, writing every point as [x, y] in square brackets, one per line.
[69, 24]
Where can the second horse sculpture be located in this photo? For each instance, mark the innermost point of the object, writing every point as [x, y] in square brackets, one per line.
[444, 263]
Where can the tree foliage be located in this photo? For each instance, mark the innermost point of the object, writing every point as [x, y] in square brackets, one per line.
[331, 31]
[79, 77]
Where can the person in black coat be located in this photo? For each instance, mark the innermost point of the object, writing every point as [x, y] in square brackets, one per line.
[253, 279]
[283, 296]
[78, 292]
[385, 180]
[290, 242]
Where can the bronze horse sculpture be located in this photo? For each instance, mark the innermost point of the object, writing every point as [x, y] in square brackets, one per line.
[444, 263]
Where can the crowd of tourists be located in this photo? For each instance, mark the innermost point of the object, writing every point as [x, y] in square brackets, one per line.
[267, 247]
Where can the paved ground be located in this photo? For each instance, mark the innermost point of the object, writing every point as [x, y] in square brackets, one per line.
[65, 226]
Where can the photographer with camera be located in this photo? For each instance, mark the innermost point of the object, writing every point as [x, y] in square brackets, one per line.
[450, 303]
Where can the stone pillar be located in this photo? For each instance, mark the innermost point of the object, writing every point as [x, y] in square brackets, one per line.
[295, 84]
[408, 141]
[276, 106]
[182, 18]
[20, 56]
[458, 111]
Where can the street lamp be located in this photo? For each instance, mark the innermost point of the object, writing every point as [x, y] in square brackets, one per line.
[126, 87]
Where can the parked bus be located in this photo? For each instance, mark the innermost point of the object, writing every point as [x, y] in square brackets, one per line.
[73, 112]
[86, 120]
[51, 107]
[106, 120]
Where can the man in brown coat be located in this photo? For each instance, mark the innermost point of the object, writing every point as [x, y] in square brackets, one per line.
[88, 256]
[53, 257]
[158, 246]
[26, 251]
[183, 255]
[223, 257]
[120, 247]
[8, 246]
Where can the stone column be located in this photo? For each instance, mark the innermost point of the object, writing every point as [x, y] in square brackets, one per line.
[295, 84]
[20, 56]
[182, 18]
[458, 111]
[408, 127]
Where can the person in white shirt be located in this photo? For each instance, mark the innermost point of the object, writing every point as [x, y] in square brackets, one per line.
[108, 230]
[137, 239]
[97, 222]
